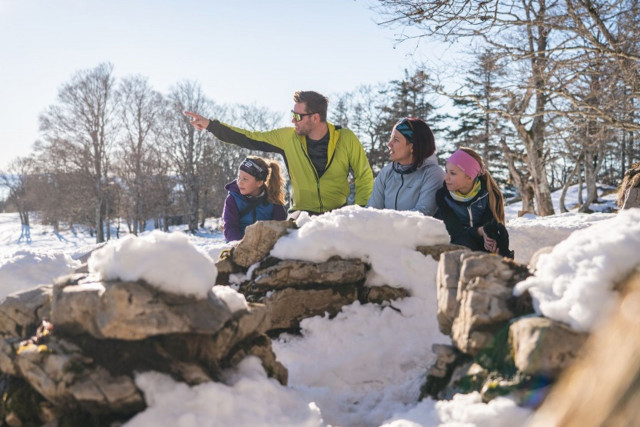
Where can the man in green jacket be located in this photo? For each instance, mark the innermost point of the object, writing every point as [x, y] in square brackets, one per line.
[318, 154]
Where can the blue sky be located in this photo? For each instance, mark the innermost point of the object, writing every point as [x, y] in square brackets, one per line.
[239, 51]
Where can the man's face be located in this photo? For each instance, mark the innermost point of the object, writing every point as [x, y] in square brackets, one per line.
[305, 125]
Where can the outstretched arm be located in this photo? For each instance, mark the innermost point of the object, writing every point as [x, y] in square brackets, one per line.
[257, 141]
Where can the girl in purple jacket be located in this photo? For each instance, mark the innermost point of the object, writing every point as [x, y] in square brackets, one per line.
[255, 195]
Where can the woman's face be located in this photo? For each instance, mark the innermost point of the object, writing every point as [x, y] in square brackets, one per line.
[457, 180]
[400, 150]
[248, 184]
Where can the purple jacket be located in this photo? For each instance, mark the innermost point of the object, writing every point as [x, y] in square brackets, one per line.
[241, 211]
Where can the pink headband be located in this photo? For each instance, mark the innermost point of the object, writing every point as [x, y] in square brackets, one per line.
[466, 162]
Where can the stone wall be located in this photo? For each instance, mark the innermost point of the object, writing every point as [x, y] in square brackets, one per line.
[498, 346]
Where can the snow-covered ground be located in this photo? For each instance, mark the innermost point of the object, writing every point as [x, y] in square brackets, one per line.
[366, 365]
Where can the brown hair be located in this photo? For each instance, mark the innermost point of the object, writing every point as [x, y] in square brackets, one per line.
[315, 103]
[496, 201]
[424, 143]
[274, 182]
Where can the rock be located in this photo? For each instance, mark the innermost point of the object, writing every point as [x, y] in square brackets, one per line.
[101, 334]
[485, 299]
[7, 355]
[225, 267]
[255, 323]
[289, 306]
[20, 313]
[465, 378]
[289, 273]
[603, 386]
[259, 239]
[132, 310]
[439, 374]
[447, 287]
[632, 198]
[261, 348]
[381, 294]
[61, 373]
[445, 356]
[435, 251]
[544, 347]
[629, 191]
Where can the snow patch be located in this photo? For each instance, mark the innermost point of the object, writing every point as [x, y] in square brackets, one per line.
[167, 261]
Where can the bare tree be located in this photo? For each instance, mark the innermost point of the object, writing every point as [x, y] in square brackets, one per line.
[561, 38]
[19, 181]
[81, 123]
[184, 146]
[366, 118]
[140, 114]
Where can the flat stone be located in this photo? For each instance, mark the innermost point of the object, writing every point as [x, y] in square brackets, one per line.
[288, 307]
[291, 273]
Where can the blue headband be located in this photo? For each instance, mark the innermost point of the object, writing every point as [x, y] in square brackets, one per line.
[404, 127]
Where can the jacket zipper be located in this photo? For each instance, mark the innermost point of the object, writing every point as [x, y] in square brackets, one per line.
[315, 174]
[398, 192]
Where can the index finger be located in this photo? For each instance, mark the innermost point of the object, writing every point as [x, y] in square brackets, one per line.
[190, 114]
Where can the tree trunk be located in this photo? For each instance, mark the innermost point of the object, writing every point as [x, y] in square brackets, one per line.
[567, 184]
[520, 178]
[592, 165]
[580, 182]
[99, 222]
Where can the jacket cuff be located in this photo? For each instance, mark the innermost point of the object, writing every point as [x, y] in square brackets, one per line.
[212, 125]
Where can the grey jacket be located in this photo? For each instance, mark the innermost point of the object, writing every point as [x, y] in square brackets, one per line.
[408, 191]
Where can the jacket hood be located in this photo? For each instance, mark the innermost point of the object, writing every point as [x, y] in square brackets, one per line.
[431, 160]
[232, 186]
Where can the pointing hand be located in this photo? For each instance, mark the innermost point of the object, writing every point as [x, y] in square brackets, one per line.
[197, 121]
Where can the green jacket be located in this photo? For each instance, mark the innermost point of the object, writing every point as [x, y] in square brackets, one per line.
[310, 192]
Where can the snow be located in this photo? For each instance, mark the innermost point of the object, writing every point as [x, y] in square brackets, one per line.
[248, 399]
[529, 233]
[574, 283]
[385, 238]
[463, 410]
[364, 366]
[167, 261]
[234, 300]
[26, 268]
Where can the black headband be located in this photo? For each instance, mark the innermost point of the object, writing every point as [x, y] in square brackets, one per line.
[254, 169]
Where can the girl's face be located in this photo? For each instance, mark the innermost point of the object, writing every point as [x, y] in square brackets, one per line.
[248, 184]
[400, 150]
[457, 180]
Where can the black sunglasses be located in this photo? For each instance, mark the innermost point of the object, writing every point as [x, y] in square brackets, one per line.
[299, 116]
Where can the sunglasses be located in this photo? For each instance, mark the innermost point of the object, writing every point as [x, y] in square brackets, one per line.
[299, 116]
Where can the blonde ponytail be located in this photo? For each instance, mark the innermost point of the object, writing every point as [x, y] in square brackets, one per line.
[274, 184]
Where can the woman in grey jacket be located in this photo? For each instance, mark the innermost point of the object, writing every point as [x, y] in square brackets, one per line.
[410, 181]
